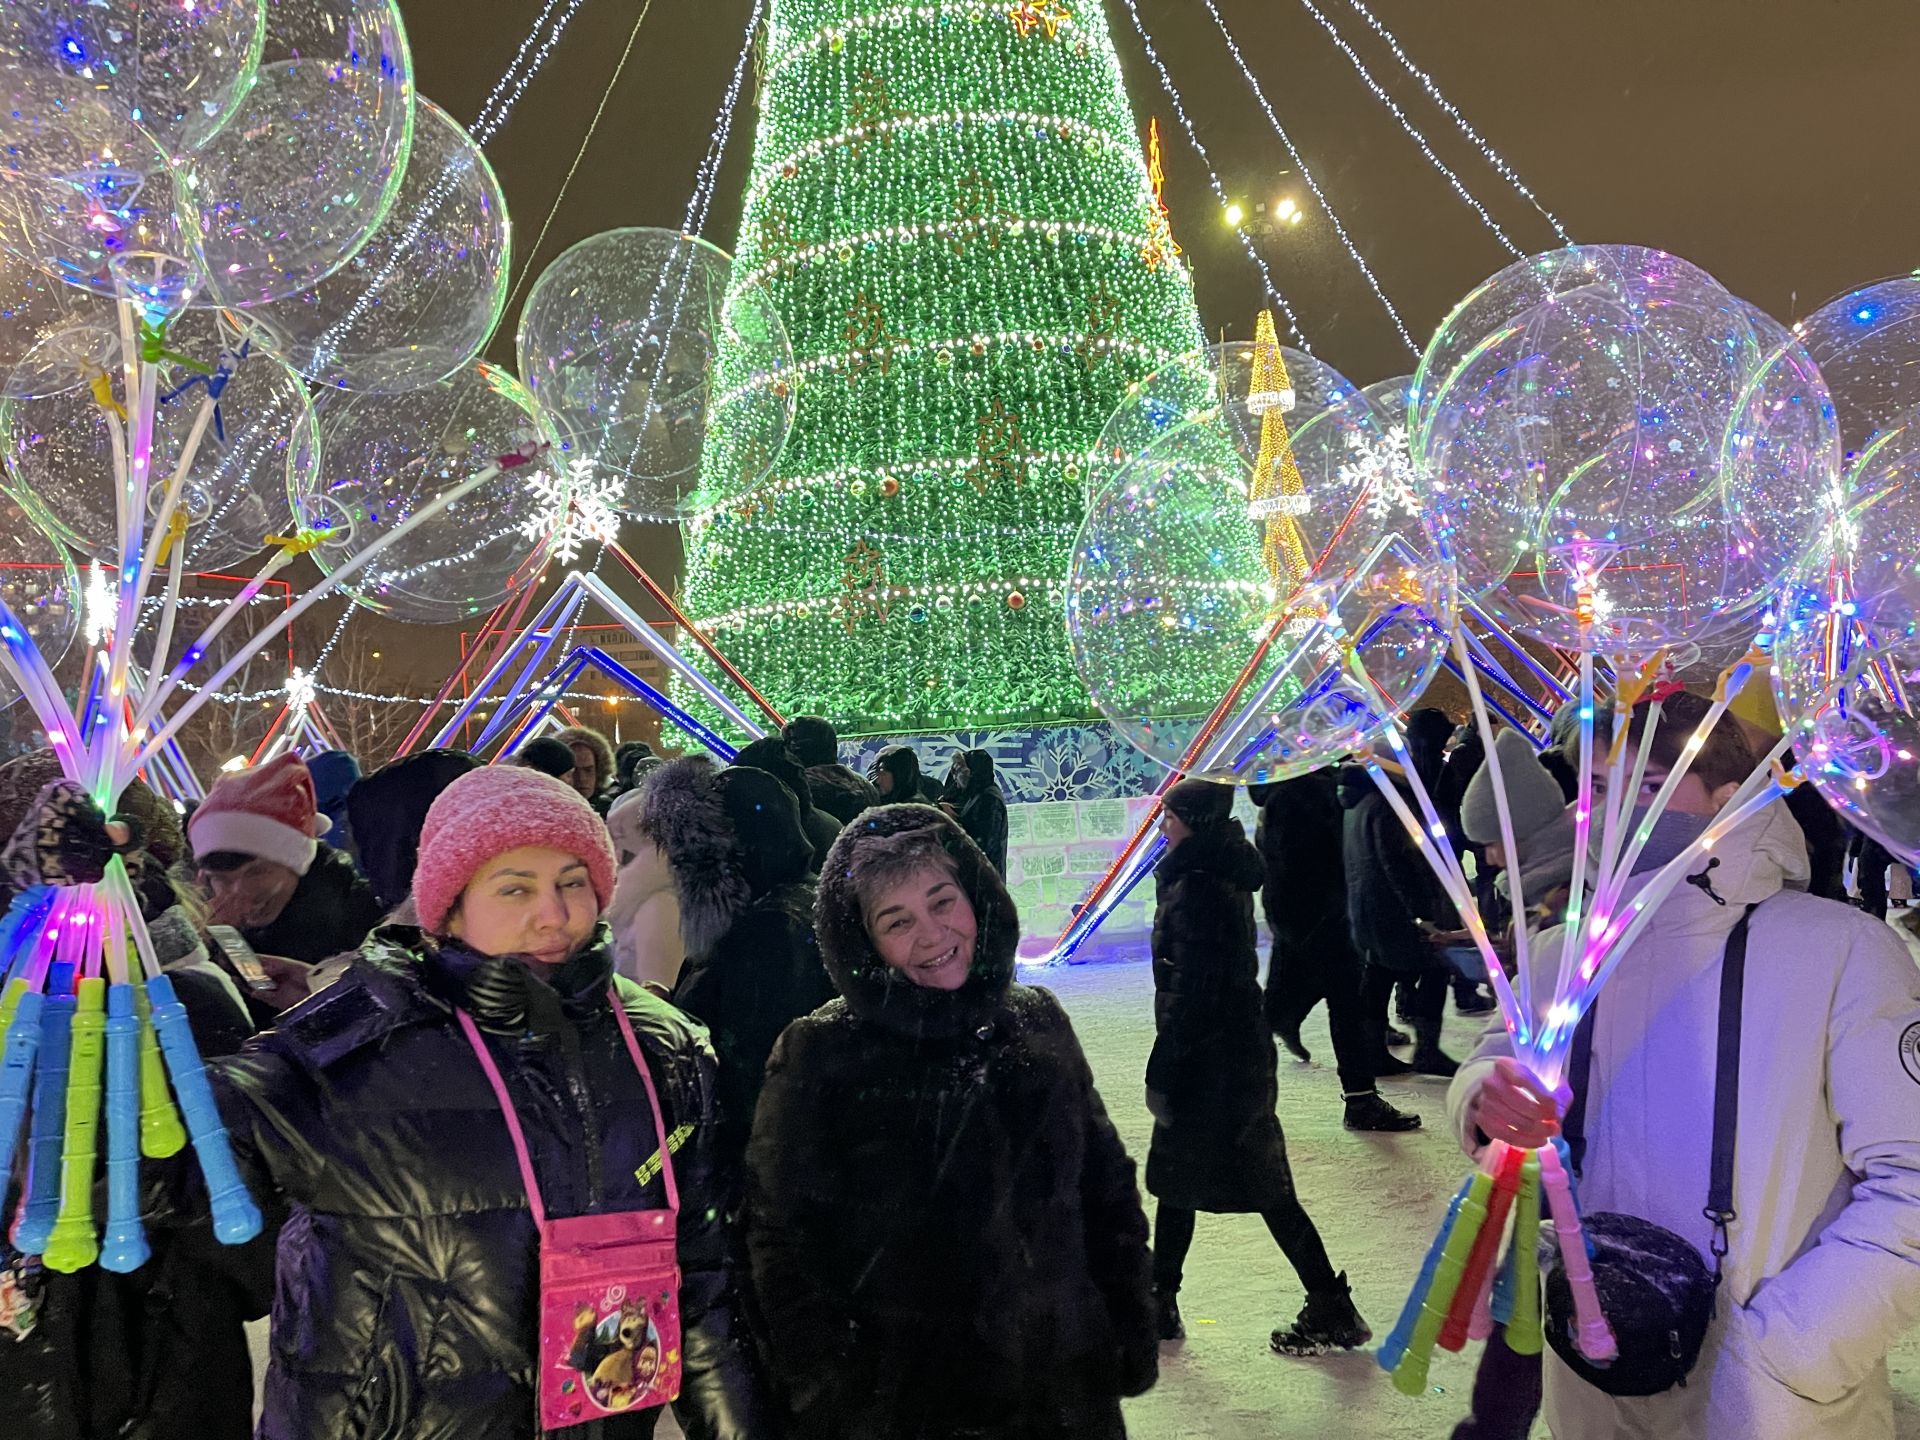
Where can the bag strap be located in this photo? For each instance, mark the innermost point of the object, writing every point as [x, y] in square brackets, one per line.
[520, 1152]
[1726, 1088]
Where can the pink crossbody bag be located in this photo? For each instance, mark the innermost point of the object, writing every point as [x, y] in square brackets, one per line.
[609, 1284]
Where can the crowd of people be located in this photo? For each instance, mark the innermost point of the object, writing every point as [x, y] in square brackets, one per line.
[768, 1010]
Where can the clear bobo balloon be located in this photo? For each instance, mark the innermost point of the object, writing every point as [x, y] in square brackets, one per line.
[39, 585]
[387, 456]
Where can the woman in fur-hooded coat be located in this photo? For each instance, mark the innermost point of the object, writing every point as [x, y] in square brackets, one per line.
[739, 858]
[946, 1237]
[644, 913]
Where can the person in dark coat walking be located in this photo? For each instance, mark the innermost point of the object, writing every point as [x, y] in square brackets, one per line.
[406, 1301]
[160, 1353]
[1211, 1081]
[836, 788]
[895, 773]
[1304, 894]
[973, 797]
[740, 861]
[386, 811]
[771, 754]
[1398, 912]
[947, 1239]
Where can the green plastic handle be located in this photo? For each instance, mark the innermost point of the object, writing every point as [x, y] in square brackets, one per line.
[1524, 1334]
[1410, 1375]
[10, 1002]
[162, 1132]
[75, 1244]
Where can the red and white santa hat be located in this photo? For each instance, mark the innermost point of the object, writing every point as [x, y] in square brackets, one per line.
[267, 812]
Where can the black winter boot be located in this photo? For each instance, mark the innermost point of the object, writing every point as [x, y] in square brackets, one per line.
[1368, 1111]
[1289, 1036]
[1326, 1322]
[1167, 1306]
[1428, 1057]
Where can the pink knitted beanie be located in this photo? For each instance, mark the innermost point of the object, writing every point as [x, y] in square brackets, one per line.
[490, 811]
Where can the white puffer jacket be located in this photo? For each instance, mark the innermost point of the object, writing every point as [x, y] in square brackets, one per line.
[1824, 1269]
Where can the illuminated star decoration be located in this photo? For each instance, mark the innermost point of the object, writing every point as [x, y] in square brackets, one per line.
[575, 508]
[1048, 14]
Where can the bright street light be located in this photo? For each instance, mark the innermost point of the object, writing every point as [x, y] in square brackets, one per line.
[1235, 214]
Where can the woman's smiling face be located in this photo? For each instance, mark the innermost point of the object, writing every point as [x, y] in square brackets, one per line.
[923, 925]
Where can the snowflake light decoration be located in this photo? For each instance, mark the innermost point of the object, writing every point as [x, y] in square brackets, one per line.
[1381, 469]
[300, 691]
[575, 508]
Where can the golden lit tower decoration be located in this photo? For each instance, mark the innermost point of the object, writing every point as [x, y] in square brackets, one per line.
[1278, 496]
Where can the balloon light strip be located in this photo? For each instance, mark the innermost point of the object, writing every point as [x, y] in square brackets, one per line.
[1380, 94]
[1306, 174]
[1213, 176]
[1493, 157]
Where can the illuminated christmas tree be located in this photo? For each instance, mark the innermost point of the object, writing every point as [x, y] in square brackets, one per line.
[962, 228]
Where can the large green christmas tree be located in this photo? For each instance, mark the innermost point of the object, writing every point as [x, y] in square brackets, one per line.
[952, 208]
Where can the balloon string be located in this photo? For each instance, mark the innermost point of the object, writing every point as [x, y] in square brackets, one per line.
[216, 380]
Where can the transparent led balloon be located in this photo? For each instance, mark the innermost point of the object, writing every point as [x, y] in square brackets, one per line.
[1867, 345]
[619, 340]
[1575, 464]
[35, 307]
[39, 585]
[1846, 648]
[422, 297]
[311, 164]
[1251, 621]
[1499, 300]
[175, 72]
[386, 456]
[261, 437]
[1214, 385]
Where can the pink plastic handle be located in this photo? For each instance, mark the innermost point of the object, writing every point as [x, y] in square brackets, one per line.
[1592, 1333]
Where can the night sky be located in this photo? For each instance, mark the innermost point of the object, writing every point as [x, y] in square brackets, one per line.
[1770, 141]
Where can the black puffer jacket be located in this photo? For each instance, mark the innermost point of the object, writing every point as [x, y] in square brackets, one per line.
[405, 1305]
[1304, 893]
[1219, 1146]
[981, 809]
[1389, 886]
[732, 839]
[946, 1236]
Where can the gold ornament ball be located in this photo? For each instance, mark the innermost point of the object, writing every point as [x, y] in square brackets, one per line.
[889, 486]
[1016, 601]
[979, 348]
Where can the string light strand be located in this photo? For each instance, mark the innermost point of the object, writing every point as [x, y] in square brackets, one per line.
[494, 116]
[1213, 176]
[1454, 182]
[1306, 174]
[1492, 156]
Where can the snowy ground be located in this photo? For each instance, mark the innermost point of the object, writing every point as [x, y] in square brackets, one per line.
[1376, 1199]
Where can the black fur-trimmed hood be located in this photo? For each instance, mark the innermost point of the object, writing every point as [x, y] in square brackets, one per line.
[730, 836]
[872, 989]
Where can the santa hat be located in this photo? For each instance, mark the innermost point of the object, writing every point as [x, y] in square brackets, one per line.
[268, 812]
[490, 811]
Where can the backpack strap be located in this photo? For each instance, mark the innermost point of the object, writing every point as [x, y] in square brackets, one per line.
[1726, 1088]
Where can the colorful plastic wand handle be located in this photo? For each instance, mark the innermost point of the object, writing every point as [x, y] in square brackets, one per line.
[161, 1133]
[1486, 1245]
[236, 1219]
[75, 1244]
[42, 1206]
[124, 1247]
[1395, 1344]
[10, 1002]
[16, 1071]
[1591, 1332]
[1410, 1375]
[1524, 1335]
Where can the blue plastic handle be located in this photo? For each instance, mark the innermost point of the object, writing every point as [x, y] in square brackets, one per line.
[1394, 1347]
[124, 1246]
[16, 1072]
[236, 1219]
[48, 1136]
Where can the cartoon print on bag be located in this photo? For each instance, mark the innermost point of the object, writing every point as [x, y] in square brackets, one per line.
[616, 1350]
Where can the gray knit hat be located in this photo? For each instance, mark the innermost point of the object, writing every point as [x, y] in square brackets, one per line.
[1533, 795]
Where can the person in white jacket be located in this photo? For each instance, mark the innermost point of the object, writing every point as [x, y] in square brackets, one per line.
[644, 912]
[1823, 1272]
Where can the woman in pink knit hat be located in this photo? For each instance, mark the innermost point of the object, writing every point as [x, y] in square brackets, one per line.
[458, 1081]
